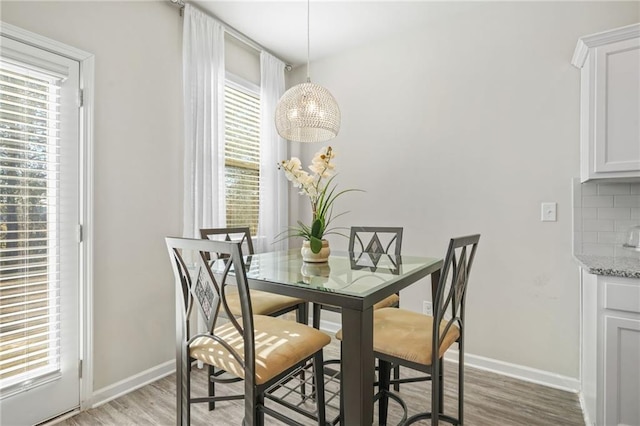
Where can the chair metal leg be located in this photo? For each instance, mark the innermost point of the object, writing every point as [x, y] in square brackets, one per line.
[396, 376]
[212, 387]
[187, 391]
[436, 377]
[302, 317]
[183, 373]
[441, 387]
[250, 403]
[259, 412]
[461, 382]
[384, 378]
[183, 388]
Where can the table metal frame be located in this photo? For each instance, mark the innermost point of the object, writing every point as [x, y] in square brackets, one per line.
[357, 329]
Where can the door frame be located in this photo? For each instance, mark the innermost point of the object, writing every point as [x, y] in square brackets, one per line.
[85, 228]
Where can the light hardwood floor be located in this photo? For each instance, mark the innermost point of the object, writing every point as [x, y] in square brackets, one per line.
[490, 400]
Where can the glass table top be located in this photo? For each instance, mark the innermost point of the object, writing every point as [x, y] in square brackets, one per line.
[353, 274]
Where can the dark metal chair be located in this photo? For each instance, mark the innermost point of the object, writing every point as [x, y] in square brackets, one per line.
[381, 240]
[419, 341]
[259, 349]
[262, 302]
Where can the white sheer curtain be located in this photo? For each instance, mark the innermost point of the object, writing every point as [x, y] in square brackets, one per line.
[203, 85]
[274, 206]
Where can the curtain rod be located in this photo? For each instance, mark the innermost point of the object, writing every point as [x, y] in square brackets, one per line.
[235, 33]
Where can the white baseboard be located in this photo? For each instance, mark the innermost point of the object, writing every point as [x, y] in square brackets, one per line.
[329, 327]
[516, 371]
[585, 414]
[106, 394]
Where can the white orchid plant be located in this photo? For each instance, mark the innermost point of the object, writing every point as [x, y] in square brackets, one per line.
[321, 191]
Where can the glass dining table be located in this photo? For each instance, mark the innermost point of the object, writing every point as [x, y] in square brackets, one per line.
[354, 282]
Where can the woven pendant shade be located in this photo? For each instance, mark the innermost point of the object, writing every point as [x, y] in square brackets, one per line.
[307, 112]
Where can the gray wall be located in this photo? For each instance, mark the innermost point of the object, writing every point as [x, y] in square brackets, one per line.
[466, 126]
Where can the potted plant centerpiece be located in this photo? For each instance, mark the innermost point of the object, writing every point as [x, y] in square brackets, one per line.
[321, 190]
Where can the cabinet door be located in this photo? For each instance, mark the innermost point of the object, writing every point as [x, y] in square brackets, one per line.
[617, 107]
[622, 371]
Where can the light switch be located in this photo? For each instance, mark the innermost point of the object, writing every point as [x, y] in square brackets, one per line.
[548, 212]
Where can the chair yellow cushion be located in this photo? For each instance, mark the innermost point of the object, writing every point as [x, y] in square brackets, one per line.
[262, 302]
[280, 344]
[388, 302]
[407, 335]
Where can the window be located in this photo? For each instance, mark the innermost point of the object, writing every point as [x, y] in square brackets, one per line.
[242, 154]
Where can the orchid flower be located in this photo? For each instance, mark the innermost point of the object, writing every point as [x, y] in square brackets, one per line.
[318, 187]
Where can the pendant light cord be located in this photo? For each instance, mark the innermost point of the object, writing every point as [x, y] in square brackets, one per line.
[308, 40]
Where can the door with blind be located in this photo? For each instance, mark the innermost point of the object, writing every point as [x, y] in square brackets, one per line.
[39, 241]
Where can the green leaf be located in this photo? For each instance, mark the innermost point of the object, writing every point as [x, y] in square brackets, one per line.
[315, 244]
[316, 229]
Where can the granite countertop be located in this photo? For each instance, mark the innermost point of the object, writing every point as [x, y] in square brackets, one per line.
[628, 267]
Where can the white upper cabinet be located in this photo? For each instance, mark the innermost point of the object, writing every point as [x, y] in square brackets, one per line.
[610, 104]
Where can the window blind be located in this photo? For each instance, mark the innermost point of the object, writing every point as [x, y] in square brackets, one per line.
[242, 156]
[29, 255]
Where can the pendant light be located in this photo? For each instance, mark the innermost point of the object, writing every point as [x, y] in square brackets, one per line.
[307, 112]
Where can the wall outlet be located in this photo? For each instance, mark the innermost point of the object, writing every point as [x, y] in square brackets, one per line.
[426, 308]
[548, 212]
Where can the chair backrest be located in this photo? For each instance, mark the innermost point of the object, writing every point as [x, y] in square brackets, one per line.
[198, 284]
[449, 300]
[241, 234]
[375, 239]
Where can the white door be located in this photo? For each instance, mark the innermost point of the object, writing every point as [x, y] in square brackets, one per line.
[39, 241]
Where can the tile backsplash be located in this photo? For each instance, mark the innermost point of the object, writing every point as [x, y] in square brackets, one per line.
[602, 214]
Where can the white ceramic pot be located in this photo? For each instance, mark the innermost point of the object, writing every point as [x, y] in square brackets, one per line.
[311, 257]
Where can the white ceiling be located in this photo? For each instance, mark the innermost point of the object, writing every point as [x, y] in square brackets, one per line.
[281, 26]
